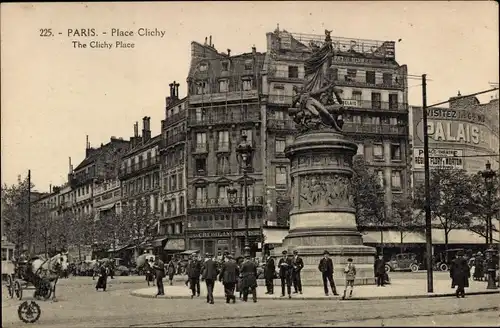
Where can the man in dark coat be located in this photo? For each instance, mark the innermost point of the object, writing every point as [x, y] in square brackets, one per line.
[209, 274]
[326, 268]
[103, 278]
[459, 274]
[159, 268]
[298, 264]
[193, 273]
[249, 278]
[270, 274]
[228, 276]
[479, 266]
[286, 271]
[379, 269]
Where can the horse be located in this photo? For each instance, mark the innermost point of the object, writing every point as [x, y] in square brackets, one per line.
[50, 270]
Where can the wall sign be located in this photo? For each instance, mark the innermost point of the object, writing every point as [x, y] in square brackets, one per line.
[439, 158]
[223, 234]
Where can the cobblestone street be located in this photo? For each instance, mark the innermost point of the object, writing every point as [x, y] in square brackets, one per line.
[81, 306]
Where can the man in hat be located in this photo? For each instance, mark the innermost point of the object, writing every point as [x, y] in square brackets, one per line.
[286, 271]
[159, 268]
[270, 274]
[193, 273]
[479, 266]
[209, 274]
[459, 274]
[228, 276]
[326, 268]
[298, 264]
[249, 278]
[379, 268]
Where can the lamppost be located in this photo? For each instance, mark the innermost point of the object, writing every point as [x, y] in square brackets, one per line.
[488, 175]
[491, 266]
[232, 192]
[244, 152]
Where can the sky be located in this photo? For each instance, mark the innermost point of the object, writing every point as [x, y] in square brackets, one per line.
[53, 95]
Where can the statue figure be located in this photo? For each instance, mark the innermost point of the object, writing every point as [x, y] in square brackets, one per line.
[318, 103]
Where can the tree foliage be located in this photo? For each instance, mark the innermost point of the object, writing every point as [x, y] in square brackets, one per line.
[404, 219]
[449, 199]
[367, 194]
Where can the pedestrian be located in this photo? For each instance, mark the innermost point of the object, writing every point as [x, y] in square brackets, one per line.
[102, 279]
[239, 261]
[479, 267]
[193, 273]
[298, 265]
[159, 268]
[379, 268]
[228, 276]
[350, 276]
[209, 275]
[459, 274]
[150, 275]
[326, 268]
[270, 274]
[285, 267]
[171, 271]
[249, 278]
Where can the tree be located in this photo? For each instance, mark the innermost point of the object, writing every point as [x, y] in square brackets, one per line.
[482, 206]
[139, 221]
[449, 199]
[403, 218]
[83, 231]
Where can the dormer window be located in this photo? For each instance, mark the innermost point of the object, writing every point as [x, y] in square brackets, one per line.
[223, 86]
[203, 67]
[225, 66]
[248, 65]
[201, 87]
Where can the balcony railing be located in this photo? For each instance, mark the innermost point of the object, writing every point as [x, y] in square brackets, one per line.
[223, 146]
[200, 147]
[223, 96]
[169, 120]
[375, 128]
[224, 202]
[285, 124]
[209, 119]
[137, 167]
[173, 139]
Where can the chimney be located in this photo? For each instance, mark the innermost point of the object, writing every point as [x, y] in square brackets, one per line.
[210, 42]
[171, 85]
[229, 52]
[136, 129]
[70, 167]
[50, 188]
[205, 40]
[176, 90]
[146, 132]
[87, 145]
[254, 50]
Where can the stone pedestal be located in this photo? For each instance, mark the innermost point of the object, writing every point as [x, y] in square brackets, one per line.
[322, 216]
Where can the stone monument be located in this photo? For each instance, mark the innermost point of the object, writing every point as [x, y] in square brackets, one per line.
[322, 215]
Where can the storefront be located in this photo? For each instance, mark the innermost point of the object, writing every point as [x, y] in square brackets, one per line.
[219, 241]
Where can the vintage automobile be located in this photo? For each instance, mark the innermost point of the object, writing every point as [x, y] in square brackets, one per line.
[403, 262]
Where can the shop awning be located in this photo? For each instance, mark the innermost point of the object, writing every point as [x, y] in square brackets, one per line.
[274, 236]
[175, 245]
[393, 237]
[157, 242]
[457, 236]
[106, 207]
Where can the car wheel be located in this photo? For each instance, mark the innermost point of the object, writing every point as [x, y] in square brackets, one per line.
[443, 267]
[414, 267]
[387, 268]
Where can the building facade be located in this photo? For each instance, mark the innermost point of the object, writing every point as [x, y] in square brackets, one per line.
[462, 136]
[173, 172]
[374, 93]
[223, 93]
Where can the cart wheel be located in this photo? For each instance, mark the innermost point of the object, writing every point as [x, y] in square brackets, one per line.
[414, 267]
[443, 267]
[387, 268]
[45, 290]
[10, 286]
[29, 312]
[18, 290]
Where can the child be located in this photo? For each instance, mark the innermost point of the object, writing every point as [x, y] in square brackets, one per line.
[350, 275]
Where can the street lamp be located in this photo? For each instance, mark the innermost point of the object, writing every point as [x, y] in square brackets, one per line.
[232, 196]
[491, 266]
[244, 152]
[488, 175]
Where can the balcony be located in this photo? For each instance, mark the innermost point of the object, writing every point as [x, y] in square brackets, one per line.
[144, 166]
[81, 179]
[386, 129]
[229, 118]
[353, 82]
[173, 139]
[170, 120]
[223, 96]
[280, 125]
[224, 202]
[223, 146]
[200, 148]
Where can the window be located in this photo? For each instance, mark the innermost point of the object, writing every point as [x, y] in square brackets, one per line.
[181, 204]
[335, 74]
[225, 66]
[247, 85]
[203, 67]
[248, 65]
[201, 87]
[293, 72]
[181, 180]
[222, 194]
[281, 178]
[393, 101]
[223, 165]
[381, 178]
[173, 206]
[396, 179]
[356, 95]
[387, 78]
[370, 77]
[200, 115]
[280, 146]
[279, 115]
[395, 152]
[356, 119]
[378, 151]
[223, 86]
[223, 140]
[201, 141]
[201, 166]
[173, 181]
[201, 194]
[248, 133]
[351, 75]
[376, 100]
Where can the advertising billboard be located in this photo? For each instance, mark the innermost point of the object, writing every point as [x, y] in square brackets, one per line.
[439, 158]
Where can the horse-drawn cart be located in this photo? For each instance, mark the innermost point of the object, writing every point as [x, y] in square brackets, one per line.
[22, 279]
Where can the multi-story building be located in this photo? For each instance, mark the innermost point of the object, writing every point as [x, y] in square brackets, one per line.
[374, 92]
[223, 96]
[463, 135]
[140, 176]
[173, 172]
[107, 197]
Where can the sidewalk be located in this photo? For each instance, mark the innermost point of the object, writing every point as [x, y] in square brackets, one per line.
[400, 289]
